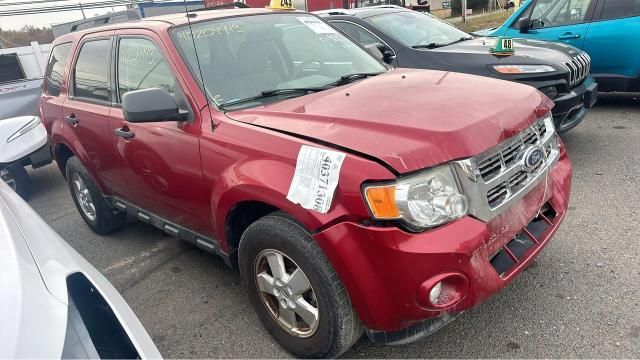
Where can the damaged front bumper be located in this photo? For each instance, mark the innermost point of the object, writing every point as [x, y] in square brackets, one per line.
[385, 269]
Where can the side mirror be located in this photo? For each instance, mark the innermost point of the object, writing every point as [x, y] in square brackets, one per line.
[375, 51]
[151, 105]
[523, 24]
[387, 52]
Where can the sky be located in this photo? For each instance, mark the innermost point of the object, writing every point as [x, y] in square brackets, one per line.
[47, 19]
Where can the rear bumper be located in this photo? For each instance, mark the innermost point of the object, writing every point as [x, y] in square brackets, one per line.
[383, 268]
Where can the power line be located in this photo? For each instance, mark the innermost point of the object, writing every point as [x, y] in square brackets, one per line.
[32, 2]
[73, 7]
[70, 7]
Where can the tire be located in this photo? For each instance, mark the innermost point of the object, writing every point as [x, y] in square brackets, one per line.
[103, 219]
[17, 178]
[338, 326]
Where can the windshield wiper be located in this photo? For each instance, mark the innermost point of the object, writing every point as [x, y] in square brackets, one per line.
[345, 79]
[437, 45]
[427, 46]
[269, 93]
[293, 91]
[465, 38]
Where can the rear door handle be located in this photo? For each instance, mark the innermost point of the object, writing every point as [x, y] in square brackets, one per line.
[126, 134]
[72, 120]
[568, 36]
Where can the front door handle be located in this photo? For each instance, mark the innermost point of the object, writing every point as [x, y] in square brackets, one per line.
[124, 133]
[568, 36]
[72, 120]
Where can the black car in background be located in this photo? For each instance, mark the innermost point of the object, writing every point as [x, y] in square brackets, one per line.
[410, 39]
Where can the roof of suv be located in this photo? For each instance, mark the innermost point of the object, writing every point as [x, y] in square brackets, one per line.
[166, 21]
[361, 13]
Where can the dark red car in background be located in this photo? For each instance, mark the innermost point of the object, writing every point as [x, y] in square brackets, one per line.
[352, 197]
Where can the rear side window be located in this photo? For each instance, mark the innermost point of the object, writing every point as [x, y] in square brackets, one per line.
[615, 9]
[142, 66]
[10, 69]
[55, 69]
[91, 74]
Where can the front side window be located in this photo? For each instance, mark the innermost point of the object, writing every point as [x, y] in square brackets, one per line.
[91, 73]
[55, 69]
[416, 29]
[550, 13]
[243, 57]
[356, 32]
[616, 9]
[141, 65]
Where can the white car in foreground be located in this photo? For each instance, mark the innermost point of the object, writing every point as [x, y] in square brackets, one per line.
[53, 303]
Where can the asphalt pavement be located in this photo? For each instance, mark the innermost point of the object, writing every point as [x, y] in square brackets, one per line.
[580, 298]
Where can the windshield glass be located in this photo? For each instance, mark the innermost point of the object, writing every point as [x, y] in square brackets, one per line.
[414, 29]
[242, 57]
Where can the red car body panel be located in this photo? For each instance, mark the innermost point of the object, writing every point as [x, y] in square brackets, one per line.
[382, 268]
[196, 173]
[418, 123]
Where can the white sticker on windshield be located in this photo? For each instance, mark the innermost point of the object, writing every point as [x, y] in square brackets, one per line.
[316, 25]
[316, 178]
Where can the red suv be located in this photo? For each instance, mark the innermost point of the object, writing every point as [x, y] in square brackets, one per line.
[353, 198]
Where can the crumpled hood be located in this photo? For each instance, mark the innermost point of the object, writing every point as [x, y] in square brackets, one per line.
[409, 119]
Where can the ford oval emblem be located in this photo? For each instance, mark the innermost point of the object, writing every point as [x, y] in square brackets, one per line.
[533, 156]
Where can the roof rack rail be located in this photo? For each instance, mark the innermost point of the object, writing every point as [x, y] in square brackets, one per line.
[337, 11]
[101, 20]
[231, 5]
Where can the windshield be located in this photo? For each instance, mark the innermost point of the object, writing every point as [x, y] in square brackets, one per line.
[242, 57]
[415, 29]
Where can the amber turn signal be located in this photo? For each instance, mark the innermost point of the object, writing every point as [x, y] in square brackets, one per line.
[382, 201]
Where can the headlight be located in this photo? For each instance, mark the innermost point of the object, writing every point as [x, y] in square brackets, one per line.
[523, 69]
[425, 200]
[25, 129]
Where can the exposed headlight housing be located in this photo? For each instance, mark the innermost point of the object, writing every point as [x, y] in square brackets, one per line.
[523, 69]
[32, 124]
[425, 200]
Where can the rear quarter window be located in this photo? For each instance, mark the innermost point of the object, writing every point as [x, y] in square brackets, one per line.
[55, 68]
[10, 69]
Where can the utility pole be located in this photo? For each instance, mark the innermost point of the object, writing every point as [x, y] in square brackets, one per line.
[464, 10]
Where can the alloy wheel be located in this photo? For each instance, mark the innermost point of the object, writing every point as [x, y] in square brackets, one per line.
[287, 293]
[6, 176]
[84, 197]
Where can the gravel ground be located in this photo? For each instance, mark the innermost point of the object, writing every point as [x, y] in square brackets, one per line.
[581, 298]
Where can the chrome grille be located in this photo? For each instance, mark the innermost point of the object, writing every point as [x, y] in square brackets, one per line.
[516, 182]
[579, 68]
[499, 176]
[510, 154]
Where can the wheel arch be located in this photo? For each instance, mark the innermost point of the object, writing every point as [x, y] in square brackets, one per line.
[62, 153]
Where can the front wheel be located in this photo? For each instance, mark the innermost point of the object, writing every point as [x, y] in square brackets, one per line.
[295, 291]
[17, 178]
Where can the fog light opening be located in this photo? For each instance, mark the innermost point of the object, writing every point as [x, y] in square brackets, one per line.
[442, 291]
[550, 91]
